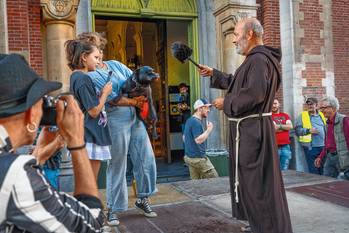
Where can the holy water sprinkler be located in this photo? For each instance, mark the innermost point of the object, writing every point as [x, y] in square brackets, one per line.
[182, 52]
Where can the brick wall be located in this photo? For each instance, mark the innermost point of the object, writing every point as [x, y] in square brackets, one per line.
[340, 22]
[17, 15]
[311, 44]
[268, 15]
[35, 35]
[24, 34]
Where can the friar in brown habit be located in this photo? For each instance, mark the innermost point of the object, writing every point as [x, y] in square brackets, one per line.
[257, 188]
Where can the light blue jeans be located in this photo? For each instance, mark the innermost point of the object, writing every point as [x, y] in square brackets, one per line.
[285, 155]
[129, 136]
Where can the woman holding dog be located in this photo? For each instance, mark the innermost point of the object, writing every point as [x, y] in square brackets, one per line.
[129, 136]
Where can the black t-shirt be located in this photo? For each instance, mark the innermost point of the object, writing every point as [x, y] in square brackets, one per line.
[82, 87]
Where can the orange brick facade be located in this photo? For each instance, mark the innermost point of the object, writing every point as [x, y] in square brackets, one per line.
[268, 14]
[25, 36]
[312, 43]
[340, 33]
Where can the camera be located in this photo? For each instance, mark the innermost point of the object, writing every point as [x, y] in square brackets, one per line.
[49, 111]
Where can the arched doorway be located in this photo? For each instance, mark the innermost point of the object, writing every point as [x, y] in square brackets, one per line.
[140, 32]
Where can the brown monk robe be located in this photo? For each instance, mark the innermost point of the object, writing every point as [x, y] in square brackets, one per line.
[251, 90]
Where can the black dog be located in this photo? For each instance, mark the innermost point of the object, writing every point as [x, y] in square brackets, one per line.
[139, 85]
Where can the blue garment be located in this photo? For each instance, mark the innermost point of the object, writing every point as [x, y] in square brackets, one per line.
[52, 175]
[84, 91]
[193, 129]
[120, 73]
[311, 153]
[317, 140]
[129, 137]
[285, 155]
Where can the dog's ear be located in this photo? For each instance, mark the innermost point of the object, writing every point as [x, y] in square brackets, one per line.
[136, 73]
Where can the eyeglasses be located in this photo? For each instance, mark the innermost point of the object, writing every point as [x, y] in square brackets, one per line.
[324, 107]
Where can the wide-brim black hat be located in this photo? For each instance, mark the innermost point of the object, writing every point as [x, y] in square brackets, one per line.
[20, 86]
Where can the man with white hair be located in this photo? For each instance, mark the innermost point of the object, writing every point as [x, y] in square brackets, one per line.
[336, 141]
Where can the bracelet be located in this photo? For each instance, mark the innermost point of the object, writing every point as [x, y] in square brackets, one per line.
[77, 147]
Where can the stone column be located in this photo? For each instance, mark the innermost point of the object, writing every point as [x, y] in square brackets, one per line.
[3, 27]
[59, 21]
[227, 13]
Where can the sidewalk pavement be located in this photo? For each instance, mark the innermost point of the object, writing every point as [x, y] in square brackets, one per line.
[317, 204]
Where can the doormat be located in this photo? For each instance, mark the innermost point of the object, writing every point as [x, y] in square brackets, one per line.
[336, 192]
[190, 217]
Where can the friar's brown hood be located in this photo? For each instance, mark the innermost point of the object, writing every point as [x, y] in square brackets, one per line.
[274, 55]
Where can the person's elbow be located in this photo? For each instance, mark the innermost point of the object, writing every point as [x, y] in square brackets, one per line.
[198, 141]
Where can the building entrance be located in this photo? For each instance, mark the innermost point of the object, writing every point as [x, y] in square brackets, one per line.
[137, 42]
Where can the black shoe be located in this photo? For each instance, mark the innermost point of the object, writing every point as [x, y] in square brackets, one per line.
[142, 204]
[113, 219]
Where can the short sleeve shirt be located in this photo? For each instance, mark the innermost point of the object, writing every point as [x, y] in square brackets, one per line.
[117, 72]
[84, 91]
[283, 137]
[193, 128]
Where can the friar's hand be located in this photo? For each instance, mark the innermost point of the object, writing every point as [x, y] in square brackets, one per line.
[205, 70]
[218, 103]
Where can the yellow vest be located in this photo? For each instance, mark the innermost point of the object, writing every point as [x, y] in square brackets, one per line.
[307, 125]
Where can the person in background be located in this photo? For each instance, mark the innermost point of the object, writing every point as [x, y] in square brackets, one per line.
[310, 129]
[335, 153]
[283, 125]
[200, 167]
[184, 105]
[28, 202]
[83, 57]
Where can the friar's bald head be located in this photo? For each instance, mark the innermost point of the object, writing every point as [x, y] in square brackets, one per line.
[253, 24]
[248, 33]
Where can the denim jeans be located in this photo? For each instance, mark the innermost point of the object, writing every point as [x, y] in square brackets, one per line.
[129, 136]
[331, 166]
[310, 155]
[285, 155]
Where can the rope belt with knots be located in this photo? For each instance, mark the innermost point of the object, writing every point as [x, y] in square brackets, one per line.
[237, 143]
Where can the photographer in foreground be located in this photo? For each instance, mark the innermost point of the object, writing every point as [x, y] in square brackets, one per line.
[28, 202]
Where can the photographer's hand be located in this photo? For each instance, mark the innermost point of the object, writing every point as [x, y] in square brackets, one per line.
[70, 121]
[48, 143]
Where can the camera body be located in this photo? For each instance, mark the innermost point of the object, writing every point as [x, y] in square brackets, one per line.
[49, 111]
